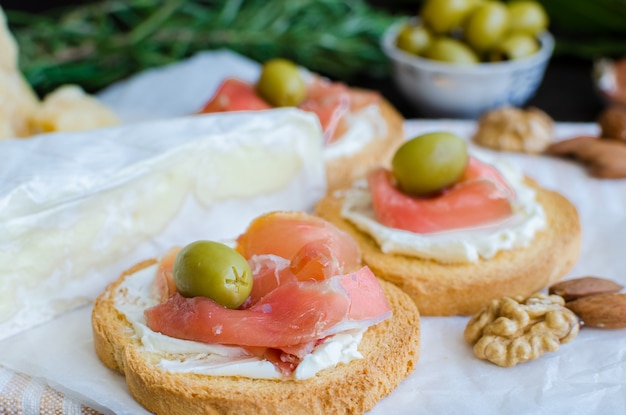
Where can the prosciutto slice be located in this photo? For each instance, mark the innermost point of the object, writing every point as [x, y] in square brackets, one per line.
[481, 196]
[294, 313]
[308, 285]
[313, 246]
[234, 95]
[332, 102]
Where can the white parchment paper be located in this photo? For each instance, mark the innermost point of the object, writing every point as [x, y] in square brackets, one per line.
[587, 375]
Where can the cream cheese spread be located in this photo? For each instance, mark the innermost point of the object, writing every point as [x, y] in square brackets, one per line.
[135, 294]
[455, 246]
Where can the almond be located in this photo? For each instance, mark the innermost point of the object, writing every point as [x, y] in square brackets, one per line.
[612, 122]
[583, 287]
[606, 311]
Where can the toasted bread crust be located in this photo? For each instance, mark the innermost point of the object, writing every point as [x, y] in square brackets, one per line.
[342, 171]
[390, 350]
[463, 289]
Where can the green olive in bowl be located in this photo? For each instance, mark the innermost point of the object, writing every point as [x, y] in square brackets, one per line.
[514, 46]
[486, 25]
[414, 39]
[527, 16]
[449, 50]
[443, 16]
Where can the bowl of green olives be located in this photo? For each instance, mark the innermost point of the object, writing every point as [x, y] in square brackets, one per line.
[461, 58]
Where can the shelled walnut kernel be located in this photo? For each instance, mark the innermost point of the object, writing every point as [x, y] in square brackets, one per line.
[515, 129]
[515, 330]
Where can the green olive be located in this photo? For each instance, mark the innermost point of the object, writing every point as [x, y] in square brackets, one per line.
[429, 163]
[514, 46]
[281, 83]
[214, 270]
[486, 25]
[443, 16]
[450, 50]
[527, 16]
[475, 3]
[413, 39]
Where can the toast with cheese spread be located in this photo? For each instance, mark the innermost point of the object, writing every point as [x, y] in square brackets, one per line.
[390, 351]
[443, 289]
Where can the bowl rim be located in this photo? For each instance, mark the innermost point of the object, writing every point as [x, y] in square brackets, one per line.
[389, 47]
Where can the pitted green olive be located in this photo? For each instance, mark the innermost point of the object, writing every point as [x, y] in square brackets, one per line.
[281, 83]
[214, 270]
[429, 163]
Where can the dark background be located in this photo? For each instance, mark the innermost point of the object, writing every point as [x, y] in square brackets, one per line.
[567, 92]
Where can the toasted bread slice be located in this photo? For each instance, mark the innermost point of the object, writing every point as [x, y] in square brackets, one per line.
[464, 288]
[390, 350]
[342, 171]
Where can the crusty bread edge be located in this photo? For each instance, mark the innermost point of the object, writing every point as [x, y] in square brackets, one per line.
[342, 171]
[107, 336]
[390, 349]
[463, 289]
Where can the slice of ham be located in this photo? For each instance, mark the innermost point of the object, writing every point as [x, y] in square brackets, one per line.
[282, 247]
[312, 245]
[333, 102]
[308, 285]
[330, 101]
[163, 280]
[292, 314]
[481, 196]
[269, 271]
[234, 95]
[477, 170]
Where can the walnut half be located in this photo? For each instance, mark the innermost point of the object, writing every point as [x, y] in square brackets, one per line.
[513, 330]
[515, 129]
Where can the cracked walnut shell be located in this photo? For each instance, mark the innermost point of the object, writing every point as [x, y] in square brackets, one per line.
[513, 330]
[515, 129]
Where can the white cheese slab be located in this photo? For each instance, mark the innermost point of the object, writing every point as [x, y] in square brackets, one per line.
[76, 209]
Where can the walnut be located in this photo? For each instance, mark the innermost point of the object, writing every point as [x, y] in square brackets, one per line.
[513, 330]
[514, 129]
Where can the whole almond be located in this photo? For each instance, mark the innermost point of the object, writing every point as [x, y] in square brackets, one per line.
[584, 286]
[606, 311]
[612, 122]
